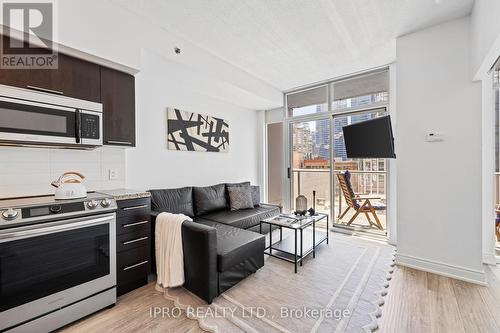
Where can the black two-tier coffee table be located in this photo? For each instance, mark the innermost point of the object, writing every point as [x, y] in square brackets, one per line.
[295, 249]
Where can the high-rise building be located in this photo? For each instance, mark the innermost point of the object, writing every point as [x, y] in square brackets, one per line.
[338, 138]
[360, 117]
[302, 138]
[322, 138]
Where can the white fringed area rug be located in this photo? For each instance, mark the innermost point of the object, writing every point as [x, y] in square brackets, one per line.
[342, 288]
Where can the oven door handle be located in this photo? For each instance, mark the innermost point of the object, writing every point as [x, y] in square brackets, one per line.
[8, 235]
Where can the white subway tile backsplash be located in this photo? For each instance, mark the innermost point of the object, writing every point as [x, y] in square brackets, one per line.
[17, 167]
[75, 156]
[24, 155]
[29, 171]
[22, 190]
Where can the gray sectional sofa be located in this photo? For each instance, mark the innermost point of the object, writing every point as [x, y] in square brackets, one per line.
[221, 247]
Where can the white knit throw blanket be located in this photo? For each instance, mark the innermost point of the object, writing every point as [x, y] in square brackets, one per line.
[168, 249]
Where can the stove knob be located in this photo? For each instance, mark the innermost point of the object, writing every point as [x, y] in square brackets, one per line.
[105, 203]
[55, 209]
[9, 214]
[92, 204]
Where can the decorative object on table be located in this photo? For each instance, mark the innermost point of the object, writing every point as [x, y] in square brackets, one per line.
[301, 205]
[314, 200]
[196, 132]
[69, 186]
[312, 211]
[299, 213]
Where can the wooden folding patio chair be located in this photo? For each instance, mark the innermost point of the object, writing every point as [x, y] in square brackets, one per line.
[361, 204]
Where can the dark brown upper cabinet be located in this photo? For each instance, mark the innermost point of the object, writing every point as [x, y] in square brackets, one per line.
[88, 81]
[73, 78]
[118, 100]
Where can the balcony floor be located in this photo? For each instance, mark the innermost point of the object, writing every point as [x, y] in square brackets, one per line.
[359, 226]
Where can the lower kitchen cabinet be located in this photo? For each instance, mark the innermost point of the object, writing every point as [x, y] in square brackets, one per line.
[133, 244]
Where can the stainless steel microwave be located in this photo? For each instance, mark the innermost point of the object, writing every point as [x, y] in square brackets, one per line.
[32, 118]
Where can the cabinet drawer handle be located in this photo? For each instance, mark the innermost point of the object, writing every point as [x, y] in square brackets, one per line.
[134, 224]
[136, 265]
[135, 240]
[45, 90]
[119, 142]
[135, 207]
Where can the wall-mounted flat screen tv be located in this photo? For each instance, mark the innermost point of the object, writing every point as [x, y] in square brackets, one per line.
[370, 139]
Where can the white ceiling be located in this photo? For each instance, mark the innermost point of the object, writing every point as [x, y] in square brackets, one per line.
[291, 43]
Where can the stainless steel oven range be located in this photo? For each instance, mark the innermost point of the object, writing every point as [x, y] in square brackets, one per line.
[57, 260]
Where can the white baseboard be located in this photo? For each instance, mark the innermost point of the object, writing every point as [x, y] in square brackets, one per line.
[489, 259]
[455, 272]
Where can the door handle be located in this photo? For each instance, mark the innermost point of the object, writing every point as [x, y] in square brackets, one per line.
[119, 142]
[78, 126]
[135, 207]
[134, 224]
[58, 92]
[135, 240]
[41, 230]
[136, 265]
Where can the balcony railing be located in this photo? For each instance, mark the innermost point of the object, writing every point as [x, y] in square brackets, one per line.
[305, 181]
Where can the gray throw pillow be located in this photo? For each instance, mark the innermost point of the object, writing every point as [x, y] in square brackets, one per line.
[255, 195]
[240, 197]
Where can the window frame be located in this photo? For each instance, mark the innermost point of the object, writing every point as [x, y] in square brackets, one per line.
[329, 86]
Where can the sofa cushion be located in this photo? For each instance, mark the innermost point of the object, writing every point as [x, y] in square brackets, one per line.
[237, 184]
[209, 199]
[255, 195]
[235, 245]
[244, 218]
[255, 192]
[176, 200]
[240, 197]
[228, 185]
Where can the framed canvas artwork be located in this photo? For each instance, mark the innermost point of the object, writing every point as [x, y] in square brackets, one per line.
[196, 132]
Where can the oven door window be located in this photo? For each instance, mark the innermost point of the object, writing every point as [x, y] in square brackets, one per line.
[32, 268]
[32, 119]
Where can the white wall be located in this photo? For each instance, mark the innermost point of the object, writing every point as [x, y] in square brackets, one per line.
[29, 171]
[485, 28]
[161, 84]
[439, 184]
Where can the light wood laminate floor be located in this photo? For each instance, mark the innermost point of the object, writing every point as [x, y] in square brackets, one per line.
[417, 302]
[424, 302]
[131, 314]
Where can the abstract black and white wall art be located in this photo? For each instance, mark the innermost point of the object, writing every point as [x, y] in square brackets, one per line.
[196, 132]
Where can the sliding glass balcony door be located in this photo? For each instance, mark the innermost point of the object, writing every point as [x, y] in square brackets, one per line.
[310, 163]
